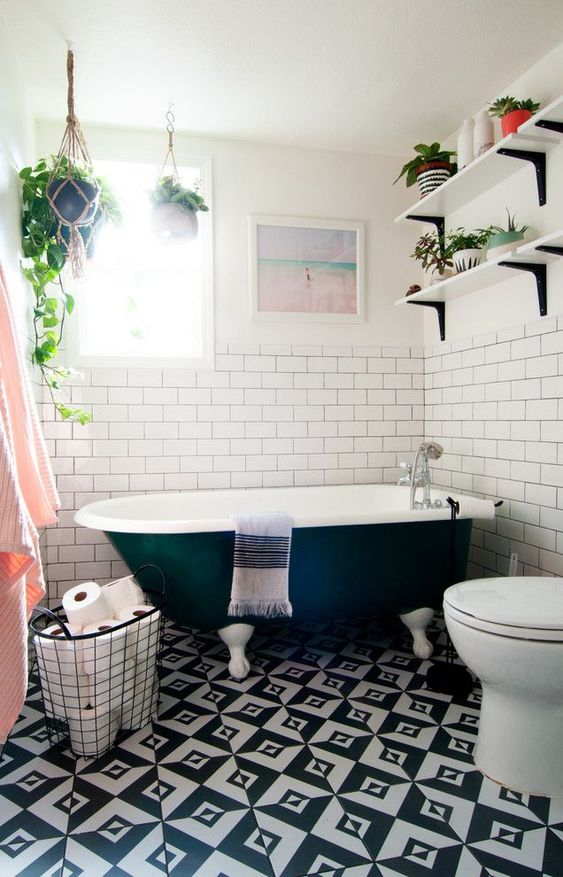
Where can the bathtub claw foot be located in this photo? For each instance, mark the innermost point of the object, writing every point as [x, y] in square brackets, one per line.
[417, 622]
[235, 637]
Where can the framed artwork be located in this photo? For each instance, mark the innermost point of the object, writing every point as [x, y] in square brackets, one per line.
[306, 269]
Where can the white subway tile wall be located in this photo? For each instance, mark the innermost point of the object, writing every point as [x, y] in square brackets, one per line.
[496, 404]
[270, 415]
[278, 415]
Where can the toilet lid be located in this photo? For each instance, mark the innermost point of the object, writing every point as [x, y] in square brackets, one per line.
[527, 602]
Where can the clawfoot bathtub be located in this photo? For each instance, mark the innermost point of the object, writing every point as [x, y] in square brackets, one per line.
[356, 551]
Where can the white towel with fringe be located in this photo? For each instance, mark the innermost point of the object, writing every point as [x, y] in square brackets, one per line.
[261, 565]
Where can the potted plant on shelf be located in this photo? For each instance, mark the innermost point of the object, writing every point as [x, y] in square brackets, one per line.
[45, 243]
[175, 209]
[503, 240]
[467, 247]
[430, 167]
[513, 113]
[434, 256]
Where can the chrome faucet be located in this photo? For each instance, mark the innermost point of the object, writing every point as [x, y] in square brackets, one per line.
[429, 451]
[406, 479]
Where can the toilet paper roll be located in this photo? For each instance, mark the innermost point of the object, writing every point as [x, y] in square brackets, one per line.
[472, 507]
[85, 604]
[92, 731]
[143, 636]
[107, 651]
[122, 594]
[64, 684]
[113, 690]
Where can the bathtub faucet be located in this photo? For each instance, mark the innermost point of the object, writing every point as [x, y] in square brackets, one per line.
[428, 451]
[406, 479]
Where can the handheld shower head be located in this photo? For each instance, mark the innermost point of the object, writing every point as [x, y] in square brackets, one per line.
[433, 450]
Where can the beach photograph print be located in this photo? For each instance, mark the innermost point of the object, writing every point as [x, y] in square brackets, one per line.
[307, 270]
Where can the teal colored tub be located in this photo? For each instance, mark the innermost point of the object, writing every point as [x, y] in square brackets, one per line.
[356, 550]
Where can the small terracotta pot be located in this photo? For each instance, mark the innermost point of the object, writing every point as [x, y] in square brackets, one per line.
[512, 121]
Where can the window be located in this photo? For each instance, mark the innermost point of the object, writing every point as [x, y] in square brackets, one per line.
[144, 301]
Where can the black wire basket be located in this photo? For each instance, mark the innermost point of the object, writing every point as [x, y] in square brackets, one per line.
[97, 687]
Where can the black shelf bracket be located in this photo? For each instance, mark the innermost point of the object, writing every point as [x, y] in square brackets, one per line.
[440, 308]
[550, 126]
[548, 248]
[540, 273]
[538, 160]
[438, 221]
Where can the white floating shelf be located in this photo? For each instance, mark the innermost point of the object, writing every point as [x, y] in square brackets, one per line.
[555, 239]
[487, 273]
[482, 174]
[553, 112]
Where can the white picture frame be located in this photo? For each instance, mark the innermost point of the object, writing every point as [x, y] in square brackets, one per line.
[306, 270]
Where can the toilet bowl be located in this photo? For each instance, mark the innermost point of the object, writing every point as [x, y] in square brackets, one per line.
[509, 632]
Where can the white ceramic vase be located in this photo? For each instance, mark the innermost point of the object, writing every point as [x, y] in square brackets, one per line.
[483, 134]
[465, 152]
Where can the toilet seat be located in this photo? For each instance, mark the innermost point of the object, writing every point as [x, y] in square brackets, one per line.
[527, 607]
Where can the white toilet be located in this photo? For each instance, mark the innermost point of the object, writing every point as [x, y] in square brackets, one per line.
[509, 632]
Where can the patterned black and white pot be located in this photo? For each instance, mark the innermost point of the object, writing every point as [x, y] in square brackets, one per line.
[466, 259]
[431, 175]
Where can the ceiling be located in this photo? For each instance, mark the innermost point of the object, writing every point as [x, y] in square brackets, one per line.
[361, 75]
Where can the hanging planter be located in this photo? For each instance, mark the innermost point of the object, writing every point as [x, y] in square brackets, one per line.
[72, 190]
[174, 206]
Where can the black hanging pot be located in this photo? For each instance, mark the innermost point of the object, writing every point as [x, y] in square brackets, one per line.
[74, 202]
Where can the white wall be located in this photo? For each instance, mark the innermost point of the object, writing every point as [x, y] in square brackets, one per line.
[302, 404]
[15, 138]
[494, 388]
[513, 302]
[279, 180]
[287, 403]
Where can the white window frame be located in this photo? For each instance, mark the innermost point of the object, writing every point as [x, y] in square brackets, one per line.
[71, 355]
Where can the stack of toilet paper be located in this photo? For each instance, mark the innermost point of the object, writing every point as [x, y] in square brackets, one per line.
[104, 682]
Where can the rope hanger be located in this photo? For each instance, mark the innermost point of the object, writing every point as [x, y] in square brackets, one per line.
[170, 119]
[63, 185]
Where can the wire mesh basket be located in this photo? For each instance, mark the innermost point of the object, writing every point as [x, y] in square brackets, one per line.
[98, 686]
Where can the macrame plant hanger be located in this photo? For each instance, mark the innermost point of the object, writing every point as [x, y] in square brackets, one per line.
[72, 190]
[175, 207]
[170, 157]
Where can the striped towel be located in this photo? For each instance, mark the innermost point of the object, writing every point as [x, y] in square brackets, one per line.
[261, 565]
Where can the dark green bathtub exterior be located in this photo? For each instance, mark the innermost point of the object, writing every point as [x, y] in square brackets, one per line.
[335, 572]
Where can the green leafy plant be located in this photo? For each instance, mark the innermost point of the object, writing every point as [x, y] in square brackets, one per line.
[44, 261]
[460, 239]
[432, 253]
[424, 154]
[169, 190]
[511, 226]
[504, 105]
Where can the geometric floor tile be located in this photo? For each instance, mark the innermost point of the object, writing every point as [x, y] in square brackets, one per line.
[332, 759]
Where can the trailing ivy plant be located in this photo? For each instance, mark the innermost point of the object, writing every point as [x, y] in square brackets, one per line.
[45, 257]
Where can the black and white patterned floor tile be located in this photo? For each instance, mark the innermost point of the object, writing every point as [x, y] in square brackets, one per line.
[332, 759]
